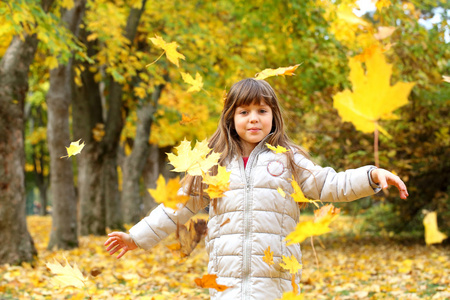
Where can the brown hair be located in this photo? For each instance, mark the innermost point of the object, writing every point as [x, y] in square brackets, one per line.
[226, 140]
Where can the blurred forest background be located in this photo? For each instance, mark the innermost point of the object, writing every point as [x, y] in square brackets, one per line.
[79, 69]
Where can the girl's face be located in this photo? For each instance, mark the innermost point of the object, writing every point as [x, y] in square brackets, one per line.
[252, 123]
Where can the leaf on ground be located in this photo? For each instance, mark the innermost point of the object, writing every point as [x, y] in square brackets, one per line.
[194, 161]
[169, 48]
[66, 276]
[74, 149]
[218, 184]
[432, 233]
[209, 281]
[196, 84]
[168, 194]
[275, 72]
[372, 97]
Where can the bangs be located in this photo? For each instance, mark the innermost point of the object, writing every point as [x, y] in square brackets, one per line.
[253, 92]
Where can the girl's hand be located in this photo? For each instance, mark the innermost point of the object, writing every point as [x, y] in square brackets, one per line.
[119, 240]
[385, 178]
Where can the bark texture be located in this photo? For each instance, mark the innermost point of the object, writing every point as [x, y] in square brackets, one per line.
[99, 194]
[64, 214]
[17, 245]
[135, 162]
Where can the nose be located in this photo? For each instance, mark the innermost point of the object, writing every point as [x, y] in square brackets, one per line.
[253, 117]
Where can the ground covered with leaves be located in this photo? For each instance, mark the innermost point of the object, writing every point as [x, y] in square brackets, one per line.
[351, 266]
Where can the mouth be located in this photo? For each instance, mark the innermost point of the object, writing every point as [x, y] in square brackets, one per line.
[253, 129]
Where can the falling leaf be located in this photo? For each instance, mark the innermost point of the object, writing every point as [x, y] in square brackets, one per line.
[193, 161]
[209, 281]
[66, 276]
[74, 149]
[197, 83]
[268, 256]
[168, 194]
[446, 78]
[298, 194]
[432, 233]
[277, 149]
[282, 193]
[291, 264]
[190, 236]
[326, 214]
[372, 98]
[225, 222]
[186, 119]
[275, 72]
[320, 225]
[169, 48]
[384, 32]
[218, 184]
[292, 296]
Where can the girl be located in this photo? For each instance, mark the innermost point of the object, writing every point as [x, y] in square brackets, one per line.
[258, 215]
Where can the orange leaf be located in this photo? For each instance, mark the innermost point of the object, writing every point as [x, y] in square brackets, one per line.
[168, 194]
[209, 281]
[219, 184]
[268, 257]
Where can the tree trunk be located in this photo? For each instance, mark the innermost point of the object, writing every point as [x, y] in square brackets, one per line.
[134, 163]
[64, 217]
[17, 245]
[150, 175]
[99, 194]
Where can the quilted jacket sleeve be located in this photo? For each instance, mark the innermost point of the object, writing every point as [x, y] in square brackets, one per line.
[327, 185]
[162, 221]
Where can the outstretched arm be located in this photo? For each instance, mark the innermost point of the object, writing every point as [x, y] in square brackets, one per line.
[385, 178]
[119, 241]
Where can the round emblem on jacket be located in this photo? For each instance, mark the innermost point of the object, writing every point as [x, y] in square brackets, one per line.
[275, 168]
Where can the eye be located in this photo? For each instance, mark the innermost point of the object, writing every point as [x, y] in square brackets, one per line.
[243, 112]
[262, 111]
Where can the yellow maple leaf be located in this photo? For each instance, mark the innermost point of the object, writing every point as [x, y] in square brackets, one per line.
[168, 194]
[292, 296]
[74, 149]
[275, 72]
[218, 184]
[372, 97]
[298, 194]
[277, 149]
[209, 281]
[197, 83]
[320, 225]
[66, 276]
[194, 161]
[169, 48]
[291, 264]
[268, 256]
[432, 233]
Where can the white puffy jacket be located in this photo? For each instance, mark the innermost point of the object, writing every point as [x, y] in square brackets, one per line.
[259, 217]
